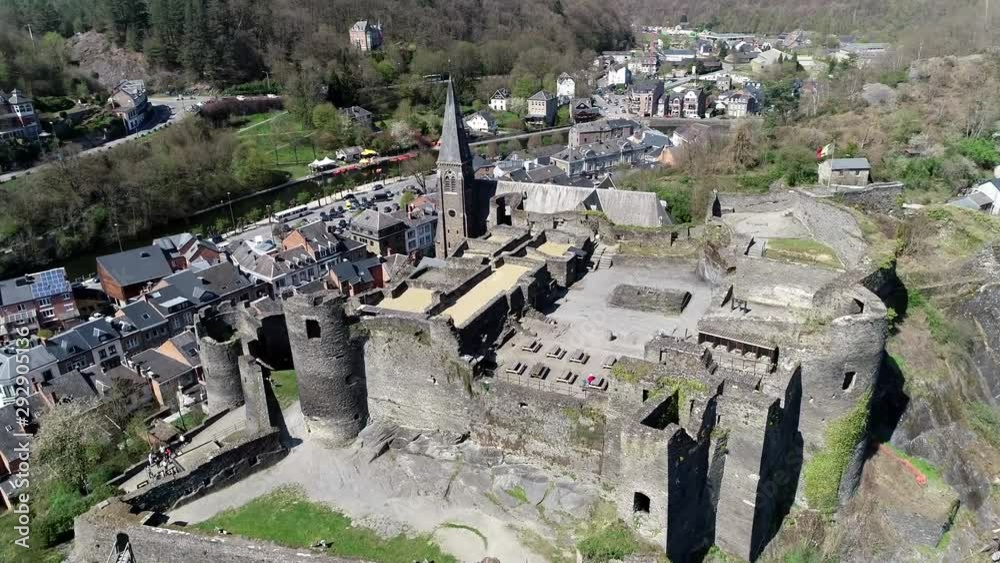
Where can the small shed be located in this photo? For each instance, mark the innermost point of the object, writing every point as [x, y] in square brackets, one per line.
[845, 172]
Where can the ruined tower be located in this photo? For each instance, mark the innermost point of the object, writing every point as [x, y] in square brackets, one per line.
[219, 350]
[456, 183]
[331, 387]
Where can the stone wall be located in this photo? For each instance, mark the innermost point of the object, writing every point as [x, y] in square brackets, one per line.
[332, 388]
[670, 302]
[220, 362]
[415, 376]
[97, 532]
[876, 198]
[833, 227]
[228, 466]
[544, 426]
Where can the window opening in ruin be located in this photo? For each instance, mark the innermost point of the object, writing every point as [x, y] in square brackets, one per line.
[848, 381]
[645, 395]
[523, 405]
[640, 503]
[859, 306]
[312, 329]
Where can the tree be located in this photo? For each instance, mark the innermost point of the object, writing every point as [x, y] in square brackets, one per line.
[64, 444]
[723, 50]
[251, 167]
[534, 141]
[406, 199]
[121, 401]
[742, 148]
[526, 86]
[418, 168]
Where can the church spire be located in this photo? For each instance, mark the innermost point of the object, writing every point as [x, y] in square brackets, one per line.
[454, 144]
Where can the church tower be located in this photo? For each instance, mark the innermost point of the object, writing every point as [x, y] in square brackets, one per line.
[456, 183]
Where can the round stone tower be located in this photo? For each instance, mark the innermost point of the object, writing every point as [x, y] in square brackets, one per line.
[332, 391]
[220, 350]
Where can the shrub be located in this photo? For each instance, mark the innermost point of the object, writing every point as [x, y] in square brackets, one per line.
[822, 474]
[615, 541]
[981, 151]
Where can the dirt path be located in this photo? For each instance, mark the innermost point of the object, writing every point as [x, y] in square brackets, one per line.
[394, 493]
[269, 119]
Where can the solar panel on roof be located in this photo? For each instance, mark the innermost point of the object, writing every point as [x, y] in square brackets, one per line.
[49, 283]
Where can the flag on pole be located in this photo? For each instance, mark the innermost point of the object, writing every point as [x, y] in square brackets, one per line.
[824, 152]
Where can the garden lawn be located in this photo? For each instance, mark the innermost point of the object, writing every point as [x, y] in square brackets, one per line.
[287, 517]
[286, 387]
[803, 251]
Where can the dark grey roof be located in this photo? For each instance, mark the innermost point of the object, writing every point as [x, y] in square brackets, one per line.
[358, 272]
[198, 288]
[542, 96]
[34, 286]
[96, 333]
[187, 343]
[67, 345]
[850, 164]
[545, 173]
[142, 315]
[374, 221]
[164, 367]
[136, 266]
[71, 386]
[454, 145]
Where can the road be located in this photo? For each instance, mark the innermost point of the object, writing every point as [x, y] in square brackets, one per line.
[520, 136]
[393, 186]
[165, 111]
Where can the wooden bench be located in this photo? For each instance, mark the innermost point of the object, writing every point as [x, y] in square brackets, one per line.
[539, 371]
[609, 362]
[556, 352]
[598, 383]
[516, 369]
[567, 377]
[532, 347]
[579, 357]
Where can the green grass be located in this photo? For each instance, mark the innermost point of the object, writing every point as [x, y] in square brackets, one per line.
[802, 251]
[630, 370]
[985, 421]
[286, 517]
[286, 387]
[822, 473]
[614, 541]
[189, 420]
[518, 494]
[12, 553]
[932, 473]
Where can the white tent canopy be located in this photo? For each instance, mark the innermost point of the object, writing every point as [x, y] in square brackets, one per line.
[320, 164]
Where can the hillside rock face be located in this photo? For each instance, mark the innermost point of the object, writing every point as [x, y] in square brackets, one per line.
[106, 63]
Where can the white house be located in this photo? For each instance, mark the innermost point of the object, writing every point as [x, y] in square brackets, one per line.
[984, 197]
[565, 86]
[481, 122]
[500, 101]
[619, 74]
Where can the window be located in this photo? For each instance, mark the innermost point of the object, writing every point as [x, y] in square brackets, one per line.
[48, 314]
[312, 329]
[103, 354]
[640, 503]
[848, 381]
[45, 301]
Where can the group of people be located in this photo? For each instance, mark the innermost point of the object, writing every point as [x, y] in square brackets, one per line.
[161, 463]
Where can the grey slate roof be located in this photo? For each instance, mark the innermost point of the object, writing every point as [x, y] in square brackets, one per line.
[454, 145]
[850, 164]
[164, 367]
[374, 221]
[71, 386]
[354, 273]
[34, 286]
[542, 96]
[187, 343]
[38, 358]
[136, 266]
[142, 315]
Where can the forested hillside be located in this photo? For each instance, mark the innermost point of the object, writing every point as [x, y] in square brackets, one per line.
[233, 41]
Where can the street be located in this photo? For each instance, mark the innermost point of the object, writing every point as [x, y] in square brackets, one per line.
[166, 110]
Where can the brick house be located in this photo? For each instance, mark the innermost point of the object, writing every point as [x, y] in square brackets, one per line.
[39, 300]
[365, 35]
[124, 275]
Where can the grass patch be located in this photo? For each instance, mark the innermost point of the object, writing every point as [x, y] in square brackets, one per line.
[802, 251]
[586, 426]
[547, 549]
[287, 517]
[286, 387]
[932, 473]
[12, 553]
[457, 526]
[985, 421]
[823, 472]
[613, 541]
[631, 370]
[518, 494]
[190, 419]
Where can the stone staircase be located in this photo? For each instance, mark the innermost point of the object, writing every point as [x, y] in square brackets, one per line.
[603, 256]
